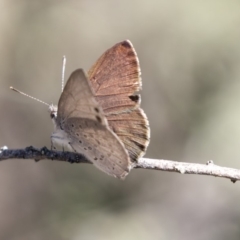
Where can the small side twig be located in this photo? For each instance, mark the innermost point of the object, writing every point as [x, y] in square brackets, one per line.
[44, 153]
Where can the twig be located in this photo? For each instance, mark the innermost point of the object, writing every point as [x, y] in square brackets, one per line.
[41, 154]
[209, 168]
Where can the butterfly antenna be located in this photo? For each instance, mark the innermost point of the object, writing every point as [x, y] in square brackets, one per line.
[38, 100]
[63, 70]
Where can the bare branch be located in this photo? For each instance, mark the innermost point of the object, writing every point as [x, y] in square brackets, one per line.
[42, 154]
[209, 168]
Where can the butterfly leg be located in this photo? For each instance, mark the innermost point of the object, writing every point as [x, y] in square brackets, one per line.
[52, 146]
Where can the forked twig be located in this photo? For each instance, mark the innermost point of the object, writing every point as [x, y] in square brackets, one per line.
[44, 153]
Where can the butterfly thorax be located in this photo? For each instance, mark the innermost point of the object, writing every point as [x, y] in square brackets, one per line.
[59, 137]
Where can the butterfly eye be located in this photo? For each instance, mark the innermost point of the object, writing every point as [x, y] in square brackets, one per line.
[53, 115]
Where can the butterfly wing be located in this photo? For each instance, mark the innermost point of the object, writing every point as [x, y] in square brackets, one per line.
[77, 100]
[81, 117]
[115, 78]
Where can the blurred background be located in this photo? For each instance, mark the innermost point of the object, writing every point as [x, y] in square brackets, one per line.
[189, 53]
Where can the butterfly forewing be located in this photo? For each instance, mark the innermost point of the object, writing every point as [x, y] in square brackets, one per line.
[116, 71]
[115, 78]
[77, 100]
[81, 117]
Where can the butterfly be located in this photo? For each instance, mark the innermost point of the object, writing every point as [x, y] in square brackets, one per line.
[99, 114]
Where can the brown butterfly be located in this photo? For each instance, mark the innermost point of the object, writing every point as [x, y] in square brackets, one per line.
[100, 116]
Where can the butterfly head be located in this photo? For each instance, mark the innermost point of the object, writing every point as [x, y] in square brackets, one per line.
[53, 114]
[53, 111]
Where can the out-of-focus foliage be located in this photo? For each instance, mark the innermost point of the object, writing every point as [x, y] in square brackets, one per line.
[189, 53]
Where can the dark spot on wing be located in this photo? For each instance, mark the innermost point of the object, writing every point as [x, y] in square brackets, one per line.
[96, 109]
[134, 98]
[99, 119]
